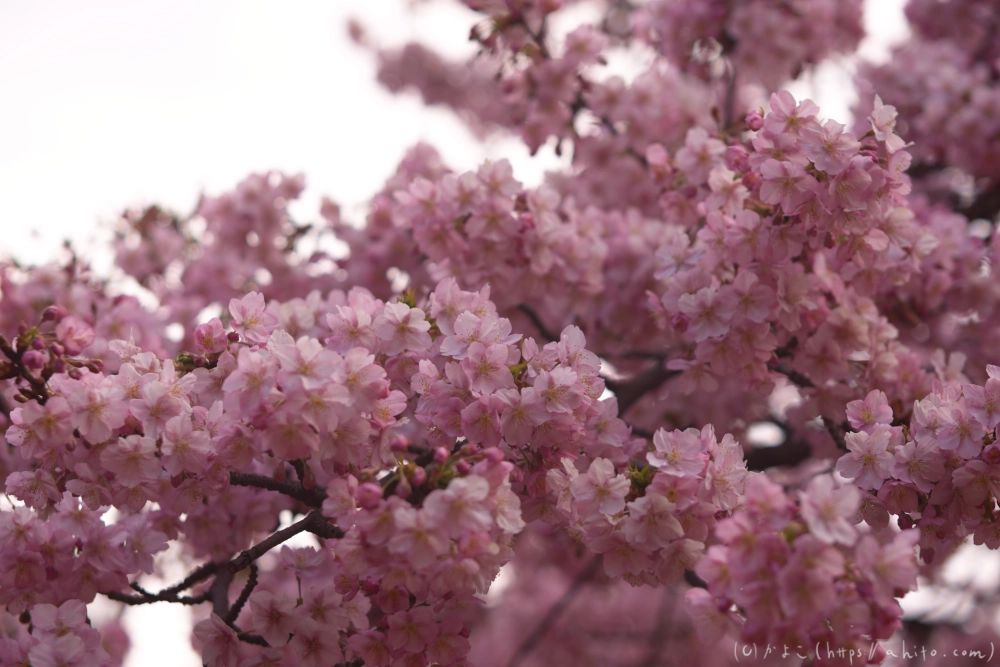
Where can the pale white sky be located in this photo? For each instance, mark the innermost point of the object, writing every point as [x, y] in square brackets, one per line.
[116, 103]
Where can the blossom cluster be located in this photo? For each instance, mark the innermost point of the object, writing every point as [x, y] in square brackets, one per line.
[652, 524]
[938, 471]
[803, 573]
[944, 83]
[60, 635]
[800, 33]
[503, 378]
[253, 400]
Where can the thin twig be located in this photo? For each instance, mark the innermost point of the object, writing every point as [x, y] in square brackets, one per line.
[554, 613]
[168, 594]
[310, 497]
[313, 523]
[234, 613]
[543, 331]
[630, 391]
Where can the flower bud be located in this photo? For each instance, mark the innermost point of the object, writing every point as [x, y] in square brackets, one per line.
[463, 467]
[736, 158]
[33, 359]
[751, 180]
[403, 487]
[754, 120]
[371, 586]
[233, 337]
[494, 455]
[440, 455]
[399, 443]
[58, 365]
[369, 495]
[38, 344]
[418, 477]
[53, 314]
[57, 350]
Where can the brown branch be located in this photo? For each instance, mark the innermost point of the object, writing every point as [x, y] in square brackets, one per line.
[792, 374]
[789, 453]
[693, 580]
[310, 497]
[125, 598]
[251, 638]
[630, 391]
[554, 613]
[986, 205]
[234, 613]
[835, 430]
[168, 594]
[202, 573]
[543, 331]
[313, 523]
[220, 592]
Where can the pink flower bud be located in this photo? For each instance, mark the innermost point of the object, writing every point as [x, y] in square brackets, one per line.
[464, 632]
[736, 158]
[38, 344]
[59, 366]
[57, 350]
[403, 487]
[440, 455]
[53, 314]
[33, 359]
[494, 455]
[751, 179]
[369, 495]
[755, 120]
[371, 586]
[463, 467]
[233, 337]
[418, 477]
[399, 443]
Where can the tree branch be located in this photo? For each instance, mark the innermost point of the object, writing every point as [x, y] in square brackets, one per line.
[630, 391]
[543, 331]
[554, 613]
[789, 453]
[220, 592]
[168, 594]
[835, 430]
[313, 523]
[986, 205]
[310, 497]
[234, 613]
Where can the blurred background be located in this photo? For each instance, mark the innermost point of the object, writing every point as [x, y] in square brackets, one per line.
[112, 104]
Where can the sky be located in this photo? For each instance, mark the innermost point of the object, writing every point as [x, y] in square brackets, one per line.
[111, 104]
